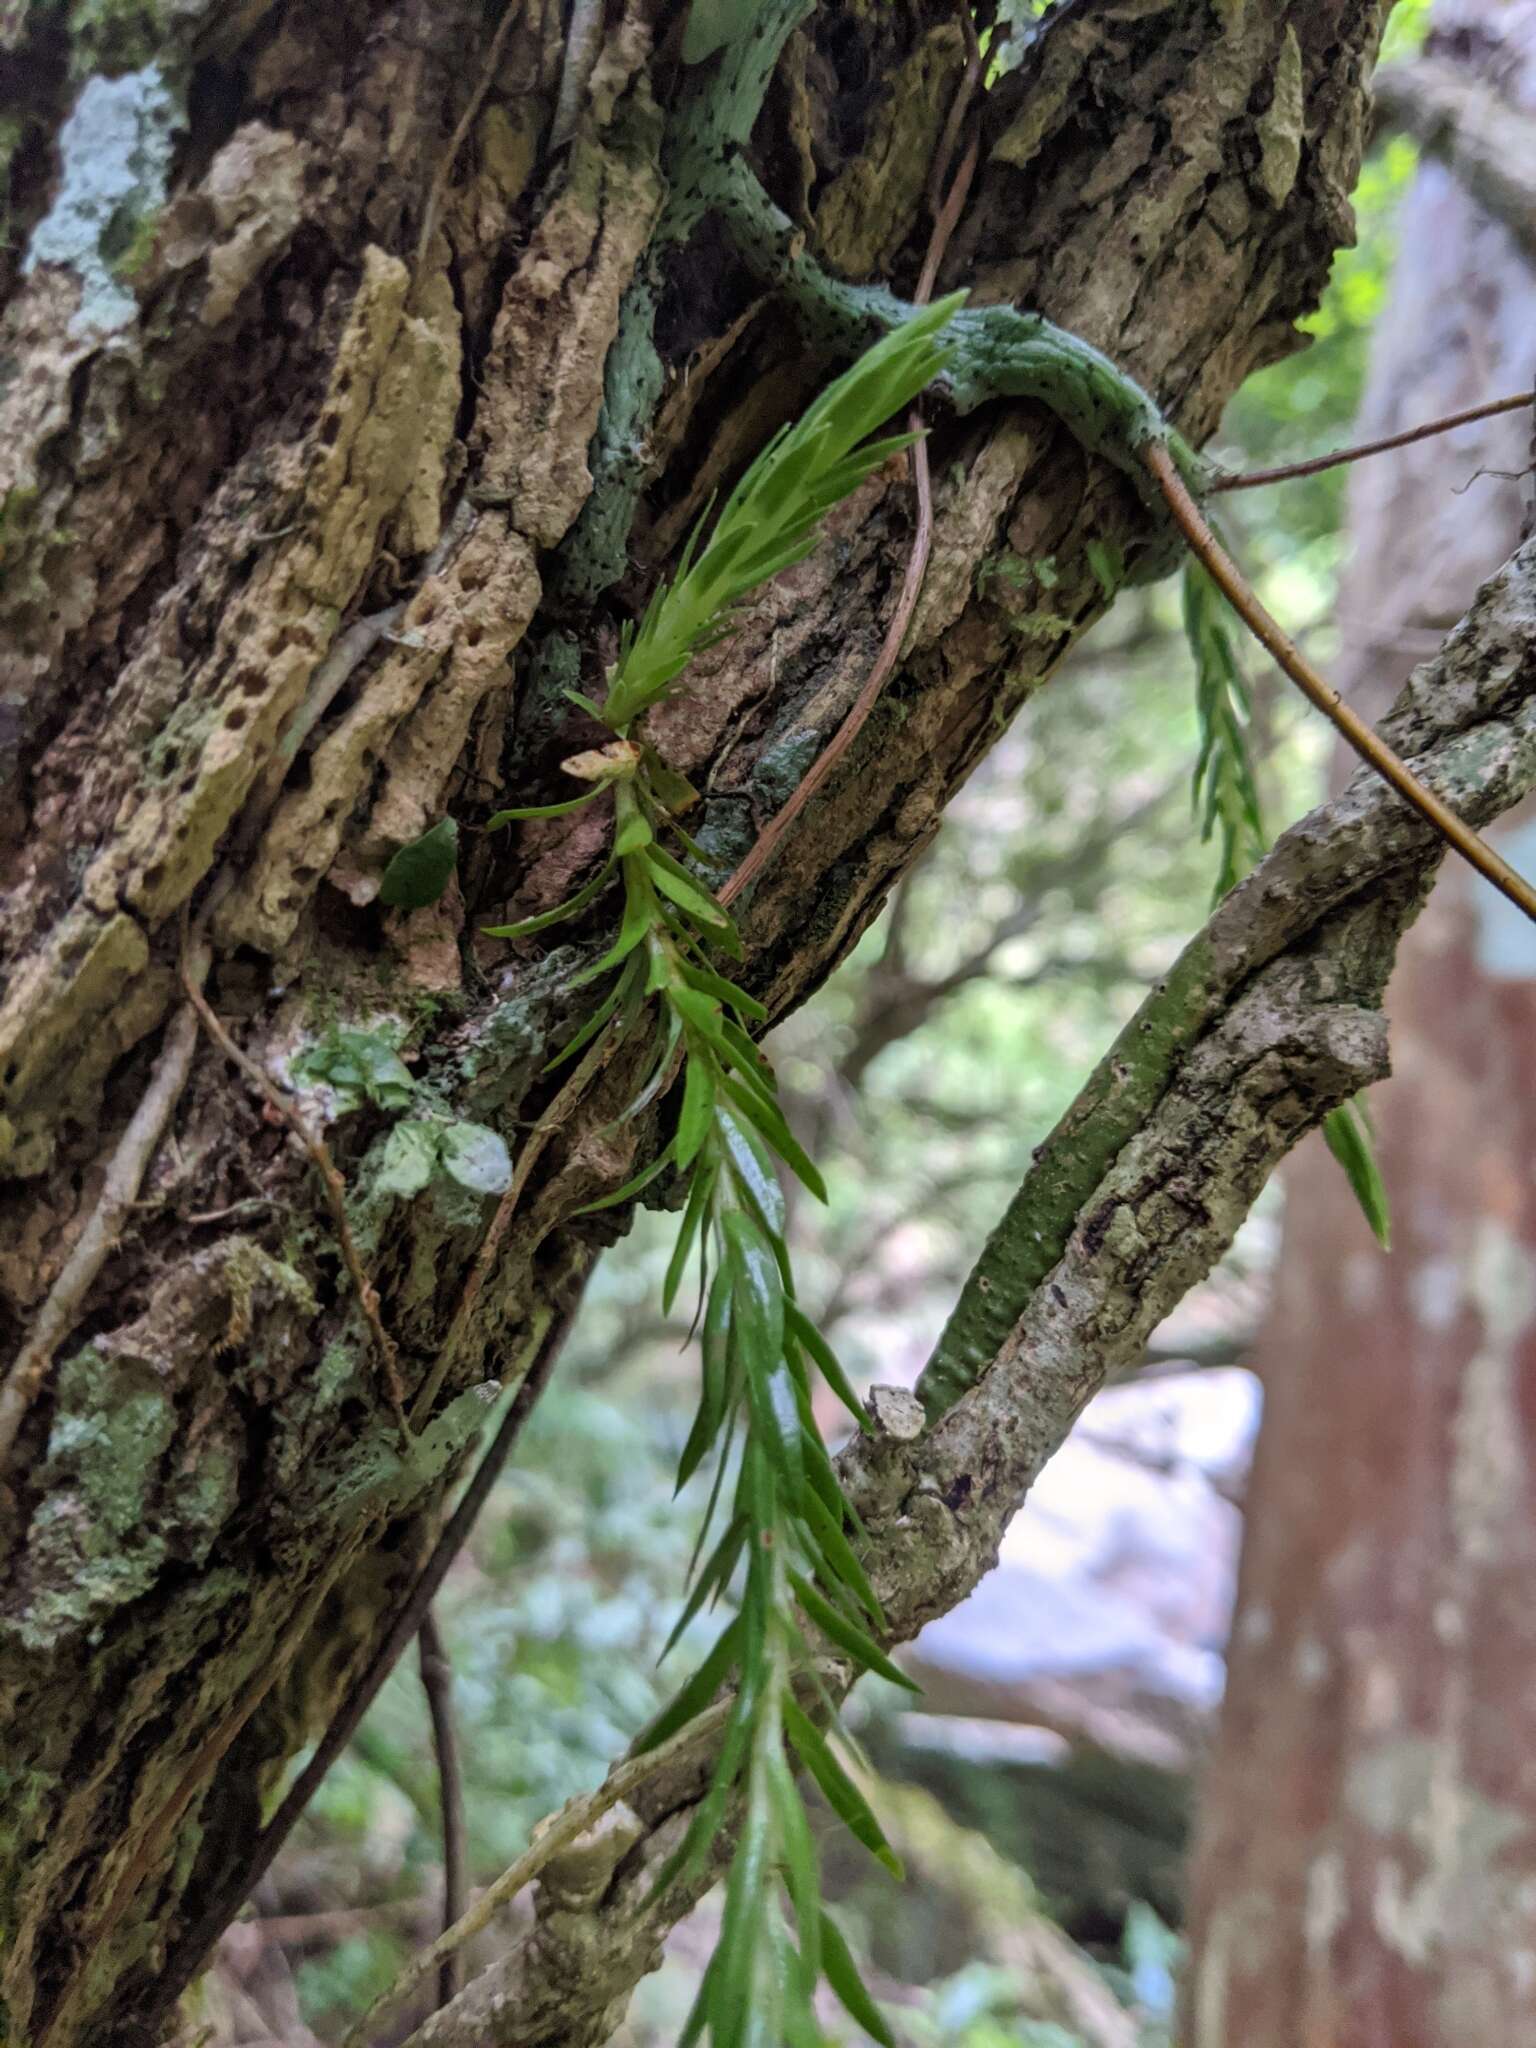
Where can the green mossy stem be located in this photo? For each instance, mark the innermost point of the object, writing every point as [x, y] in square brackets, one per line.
[995, 351]
[1035, 1227]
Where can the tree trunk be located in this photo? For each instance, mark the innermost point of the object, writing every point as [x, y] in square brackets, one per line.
[360, 375]
[1365, 1861]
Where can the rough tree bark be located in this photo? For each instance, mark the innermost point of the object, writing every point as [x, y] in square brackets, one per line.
[335, 450]
[1365, 1862]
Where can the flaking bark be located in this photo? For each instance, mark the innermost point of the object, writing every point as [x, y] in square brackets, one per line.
[292, 568]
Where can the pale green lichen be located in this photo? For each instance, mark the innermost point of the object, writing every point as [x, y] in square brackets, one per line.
[781, 768]
[1281, 126]
[89, 1547]
[378, 1478]
[115, 152]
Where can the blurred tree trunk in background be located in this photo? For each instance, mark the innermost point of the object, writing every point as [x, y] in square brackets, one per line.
[358, 378]
[1365, 1871]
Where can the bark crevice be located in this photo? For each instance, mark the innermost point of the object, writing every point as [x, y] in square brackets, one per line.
[236, 433]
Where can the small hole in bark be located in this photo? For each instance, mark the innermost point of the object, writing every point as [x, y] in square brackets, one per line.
[236, 718]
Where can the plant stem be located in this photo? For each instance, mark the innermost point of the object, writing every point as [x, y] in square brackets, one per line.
[1250, 480]
[573, 1821]
[437, 1684]
[1320, 692]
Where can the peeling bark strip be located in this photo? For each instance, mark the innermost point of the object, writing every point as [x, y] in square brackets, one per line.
[1292, 968]
[292, 568]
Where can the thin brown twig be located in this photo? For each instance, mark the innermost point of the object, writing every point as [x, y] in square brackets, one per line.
[335, 1193]
[573, 1820]
[465, 122]
[945, 219]
[592, 1063]
[437, 1684]
[944, 155]
[333, 1923]
[773, 833]
[1320, 692]
[192, 1950]
[1251, 479]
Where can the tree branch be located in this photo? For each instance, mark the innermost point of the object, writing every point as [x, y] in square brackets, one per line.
[1486, 144]
[1270, 1019]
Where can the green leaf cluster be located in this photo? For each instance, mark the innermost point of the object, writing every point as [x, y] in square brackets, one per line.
[358, 1067]
[789, 1540]
[1226, 800]
[1224, 789]
[771, 518]
[418, 1149]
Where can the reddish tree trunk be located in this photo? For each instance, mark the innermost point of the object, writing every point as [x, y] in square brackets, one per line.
[1365, 1874]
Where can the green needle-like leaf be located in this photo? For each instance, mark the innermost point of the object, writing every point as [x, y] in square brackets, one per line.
[725, 991]
[696, 1117]
[842, 1973]
[805, 1332]
[639, 915]
[769, 1119]
[700, 1191]
[802, 1876]
[630, 1188]
[837, 1788]
[758, 1292]
[696, 1695]
[545, 918]
[718, 1567]
[622, 989]
[560, 810]
[752, 1169]
[848, 1635]
[685, 892]
[837, 1555]
[1348, 1137]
